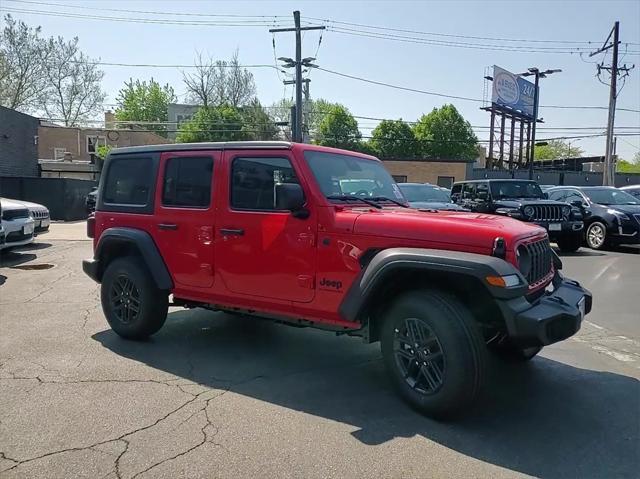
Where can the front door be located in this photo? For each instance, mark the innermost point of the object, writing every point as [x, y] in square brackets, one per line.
[185, 216]
[261, 251]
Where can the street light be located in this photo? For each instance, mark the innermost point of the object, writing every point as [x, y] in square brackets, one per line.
[538, 74]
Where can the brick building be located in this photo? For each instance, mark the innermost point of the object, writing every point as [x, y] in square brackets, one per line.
[442, 173]
[18, 143]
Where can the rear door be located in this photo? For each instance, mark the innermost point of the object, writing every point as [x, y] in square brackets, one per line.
[185, 216]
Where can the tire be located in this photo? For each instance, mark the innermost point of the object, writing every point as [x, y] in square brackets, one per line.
[127, 279]
[596, 235]
[570, 243]
[453, 369]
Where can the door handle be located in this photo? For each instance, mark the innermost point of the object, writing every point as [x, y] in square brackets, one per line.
[231, 232]
[167, 226]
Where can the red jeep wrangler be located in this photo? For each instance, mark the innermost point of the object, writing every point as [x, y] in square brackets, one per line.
[323, 237]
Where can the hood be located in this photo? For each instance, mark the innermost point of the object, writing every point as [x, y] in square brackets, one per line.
[31, 206]
[436, 205]
[8, 204]
[518, 202]
[476, 231]
[631, 209]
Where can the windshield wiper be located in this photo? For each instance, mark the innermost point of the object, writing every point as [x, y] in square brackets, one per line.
[354, 198]
[384, 198]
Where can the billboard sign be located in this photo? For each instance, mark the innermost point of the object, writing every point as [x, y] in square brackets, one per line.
[512, 91]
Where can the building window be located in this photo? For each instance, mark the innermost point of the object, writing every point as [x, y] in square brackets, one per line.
[399, 178]
[187, 182]
[58, 153]
[446, 181]
[95, 141]
[253, 181]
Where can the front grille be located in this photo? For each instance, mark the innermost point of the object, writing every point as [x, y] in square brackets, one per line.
[547, 213]
[40, 214]
[17, 236]
[9, 215]
[541, 260]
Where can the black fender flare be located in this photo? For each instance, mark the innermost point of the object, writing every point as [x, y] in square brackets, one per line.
[390, 261]
[144, 243]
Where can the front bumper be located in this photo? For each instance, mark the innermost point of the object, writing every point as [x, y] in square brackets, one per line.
[555, 316]
[566, 227]
[91, 269]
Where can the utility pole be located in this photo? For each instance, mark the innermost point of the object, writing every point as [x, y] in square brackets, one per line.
[305, 106]
[298, 63]
[609, 174]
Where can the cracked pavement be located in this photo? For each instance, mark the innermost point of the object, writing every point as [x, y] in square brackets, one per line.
[218, 396]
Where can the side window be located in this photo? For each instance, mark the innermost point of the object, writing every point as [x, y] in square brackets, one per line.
[482, 192]
[253, 181]
[469, 191]
[558, 195]
[187, 182]
[455, 192]
[128, 181]
[572, 196]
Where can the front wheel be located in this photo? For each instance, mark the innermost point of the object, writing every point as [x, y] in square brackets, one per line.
[570, 243]
[596, 235]
[133, 305]
[434, 352]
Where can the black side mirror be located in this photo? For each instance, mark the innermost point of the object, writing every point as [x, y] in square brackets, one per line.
[545, 195]
[578, 203]
[289, 196]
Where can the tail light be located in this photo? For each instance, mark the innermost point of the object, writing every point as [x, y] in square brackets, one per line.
[91, 226]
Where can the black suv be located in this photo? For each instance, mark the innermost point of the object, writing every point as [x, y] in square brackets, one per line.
[611, 216]
[524, 200]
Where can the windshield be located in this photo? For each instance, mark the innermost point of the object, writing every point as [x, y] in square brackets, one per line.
[340, 175]
[424, 193]
[611, 196]
[515, 189]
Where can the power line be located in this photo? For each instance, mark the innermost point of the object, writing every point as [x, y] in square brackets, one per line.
[93, 8]
[498, 39]
[210, 23]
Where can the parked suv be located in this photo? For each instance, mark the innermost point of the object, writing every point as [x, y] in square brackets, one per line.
[612, 216]
[523, 200]
[17, 223]
[265, 229]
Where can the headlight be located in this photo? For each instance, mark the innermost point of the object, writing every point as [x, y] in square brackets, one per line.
[524, 260]
[566, 211]
[618, 214]
[528, 211]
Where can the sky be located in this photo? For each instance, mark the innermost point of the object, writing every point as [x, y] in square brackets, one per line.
[452, 70]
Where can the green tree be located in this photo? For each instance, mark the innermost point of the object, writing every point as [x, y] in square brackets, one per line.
[338, 128]
[145, 102]
[393, 139]
[633, 166]
[214, 123]
[556, 149]
[257, 123]
[445, 134]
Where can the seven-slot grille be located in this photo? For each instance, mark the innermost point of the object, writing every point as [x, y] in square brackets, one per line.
[547, 213]
[541, 260]
[40, 214]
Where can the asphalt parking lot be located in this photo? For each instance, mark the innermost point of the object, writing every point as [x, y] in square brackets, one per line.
[216, 396]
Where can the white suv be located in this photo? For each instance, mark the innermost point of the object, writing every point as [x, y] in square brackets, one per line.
[17, 223]
[40, 215]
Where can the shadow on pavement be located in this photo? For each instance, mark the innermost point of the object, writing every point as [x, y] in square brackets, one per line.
[9, 259]
[3, 279]
[545, 419]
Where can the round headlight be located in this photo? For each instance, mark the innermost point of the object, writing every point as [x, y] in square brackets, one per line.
[528, 211]
[566, 211]
[524, 260]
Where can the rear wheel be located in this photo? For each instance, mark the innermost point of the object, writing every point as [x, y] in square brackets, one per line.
[433, 352]
[134, 307]
[596, 235]
[570, 243]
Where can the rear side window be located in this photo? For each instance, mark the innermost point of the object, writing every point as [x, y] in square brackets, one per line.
[253, 181]
[129, 181]
[187, 182]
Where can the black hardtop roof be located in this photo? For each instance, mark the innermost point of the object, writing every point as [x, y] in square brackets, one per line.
[220, 145]
[484, 180]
